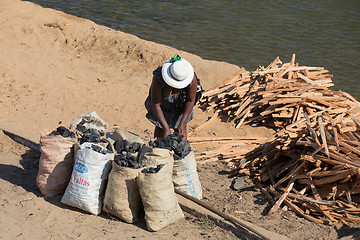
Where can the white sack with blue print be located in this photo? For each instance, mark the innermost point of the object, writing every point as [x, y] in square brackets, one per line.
[185, 176]
[88, 180]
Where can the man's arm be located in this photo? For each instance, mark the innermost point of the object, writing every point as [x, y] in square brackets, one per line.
[155, 96]
[189, 105]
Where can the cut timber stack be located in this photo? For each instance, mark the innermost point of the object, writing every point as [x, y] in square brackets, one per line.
[277, 96]
[312, 164]
[315, 171]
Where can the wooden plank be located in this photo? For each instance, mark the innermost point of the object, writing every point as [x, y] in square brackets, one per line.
[206, 124]
[317, 197]
[282, 198]
[243, 119]
[230, 80]
[322, 134]
[353, 149]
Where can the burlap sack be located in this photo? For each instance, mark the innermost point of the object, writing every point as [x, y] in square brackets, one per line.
[56, 163]
[185, 176]
[158, 197]
[122, 197]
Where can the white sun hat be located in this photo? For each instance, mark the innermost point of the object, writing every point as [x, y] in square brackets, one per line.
[177, 72]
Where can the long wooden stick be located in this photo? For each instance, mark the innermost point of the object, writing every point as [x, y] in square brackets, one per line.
[222, 214]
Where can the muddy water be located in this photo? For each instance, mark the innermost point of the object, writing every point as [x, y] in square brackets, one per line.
[246, 33]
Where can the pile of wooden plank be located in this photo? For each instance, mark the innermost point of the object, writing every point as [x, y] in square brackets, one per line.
[277, 96]
[314, 171]
[312, 164]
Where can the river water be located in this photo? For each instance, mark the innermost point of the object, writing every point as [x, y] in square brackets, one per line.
[322, 33]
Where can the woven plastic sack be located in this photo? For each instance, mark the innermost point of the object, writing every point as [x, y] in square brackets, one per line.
[122, 197]
[87, 121]
[88, 179]
[185, 176]
[158, 197]
[55, 165]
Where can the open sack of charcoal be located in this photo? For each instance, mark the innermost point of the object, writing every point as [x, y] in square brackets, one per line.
[90, 128]
[122, 197]
[158, 197]
[56, 161]
[185, 175]
[88, 180]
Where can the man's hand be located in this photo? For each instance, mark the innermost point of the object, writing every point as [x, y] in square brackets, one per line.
[182, 131]
[167, 132]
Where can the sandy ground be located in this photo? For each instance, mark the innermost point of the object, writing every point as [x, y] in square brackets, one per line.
[54, 67]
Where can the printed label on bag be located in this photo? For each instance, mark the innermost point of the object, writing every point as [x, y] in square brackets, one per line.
[81, 168]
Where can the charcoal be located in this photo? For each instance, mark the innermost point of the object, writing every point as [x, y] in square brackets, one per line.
[72, 135]
[159, 143]
[91, 135]
[122, 163]
[136, 147]
[180, 147]
[173, 142]
[121, 156]
[153, 169]
[127, 146]
[137, 165]
[152, 144]
[63, 131]
[124, 145]
[99, 149]
[124, 153]
[125, 161]
[119, 145]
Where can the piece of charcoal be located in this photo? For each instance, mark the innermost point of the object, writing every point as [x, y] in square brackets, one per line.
[120, 145]
[159, 143]
[153, 169]
[137, 165]
[120, 157]
[124, 153]
[96, 148]
[63, 131]
[152, 144]
[135, 147]
[125, 161]
[91, 135]
[180, 147]
[160, 166]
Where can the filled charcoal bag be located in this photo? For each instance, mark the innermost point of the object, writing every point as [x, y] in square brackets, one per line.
[158, 197]
[89, 121]
[88, 179]
[122, 197]
[56, 163]
[185, 176]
